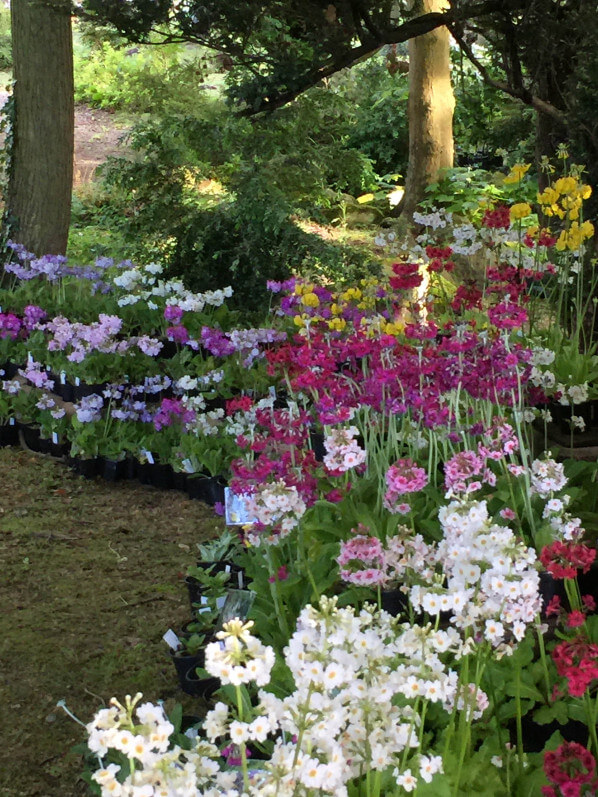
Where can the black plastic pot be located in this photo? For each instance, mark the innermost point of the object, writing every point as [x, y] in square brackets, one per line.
[535, 736]
[195, 590]
[64, 391]
[562, 413]
[184, 663]
[30, 435]
[179, 480]
[169, 349]
[394, 602]
[200, 687]
[113, 470]
[9, 434]
[10, 369]
[209, 489]
[317, 443]
[156, 474]
[88, 468]
[162, 476]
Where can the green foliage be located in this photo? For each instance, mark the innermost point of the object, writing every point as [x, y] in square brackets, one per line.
[5, 39]
[143, 79]
[376, 101]
[216, 197]
[465, 191]
[487, 120]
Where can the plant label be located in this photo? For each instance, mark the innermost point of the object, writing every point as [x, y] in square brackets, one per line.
[171, 639]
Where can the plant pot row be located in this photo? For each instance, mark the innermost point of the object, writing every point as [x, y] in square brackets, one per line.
[190, 681]
[209, 489]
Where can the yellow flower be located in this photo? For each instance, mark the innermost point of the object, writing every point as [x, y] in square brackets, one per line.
[565, 185]
[351, 293]
[520, 211]
[391, 328]
[337, 324]
[335, 309]
[517, 172]
[587, 229]
[573, 238]
[548, 197]
[310, 300]
[299, 321]
[585, 191]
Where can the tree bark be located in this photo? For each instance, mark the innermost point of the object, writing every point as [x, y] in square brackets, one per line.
[431, 107]
[38, 207]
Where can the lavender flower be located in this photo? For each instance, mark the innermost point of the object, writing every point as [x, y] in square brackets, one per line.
[89, 408]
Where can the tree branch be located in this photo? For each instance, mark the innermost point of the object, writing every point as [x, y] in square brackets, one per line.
[410, 29]
[519, 93]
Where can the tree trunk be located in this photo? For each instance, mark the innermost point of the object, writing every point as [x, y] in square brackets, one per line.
[431, 106]
[41, 178]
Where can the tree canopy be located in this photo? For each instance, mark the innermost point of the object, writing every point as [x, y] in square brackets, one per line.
[277, 49]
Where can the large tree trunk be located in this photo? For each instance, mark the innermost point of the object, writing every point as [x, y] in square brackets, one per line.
[40, 184]
[431, 107]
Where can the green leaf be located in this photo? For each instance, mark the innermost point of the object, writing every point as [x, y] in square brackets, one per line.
[176, 716]
[558, 712]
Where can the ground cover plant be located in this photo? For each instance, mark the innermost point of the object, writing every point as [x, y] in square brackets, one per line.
[384, 441]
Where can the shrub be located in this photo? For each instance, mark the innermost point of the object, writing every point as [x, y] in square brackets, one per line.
[141, 78]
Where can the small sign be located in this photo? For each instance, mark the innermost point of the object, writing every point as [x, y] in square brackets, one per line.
[55, 438]
[188, 466]
[172, 640]
[62, 378]
[235, 510]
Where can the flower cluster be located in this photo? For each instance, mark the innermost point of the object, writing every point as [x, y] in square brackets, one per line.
[239, 658]
[342, 450]
[401, 478]
[571, 769]
[141, 732]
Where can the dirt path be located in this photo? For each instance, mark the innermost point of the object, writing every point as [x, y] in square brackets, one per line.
[97, 136]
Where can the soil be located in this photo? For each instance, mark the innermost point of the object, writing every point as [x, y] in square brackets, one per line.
[98, 136]
[91, 580]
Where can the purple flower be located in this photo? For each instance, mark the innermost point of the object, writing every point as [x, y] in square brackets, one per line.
[173, 313]
[177, 334]
[32, 315]
[9, 326]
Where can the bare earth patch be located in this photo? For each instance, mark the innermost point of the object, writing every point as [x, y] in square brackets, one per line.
[97, 137]
[91, 579]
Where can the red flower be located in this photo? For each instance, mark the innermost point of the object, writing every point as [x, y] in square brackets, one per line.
[564, 559]
[407, 276]
[575, 619]
[498, 218]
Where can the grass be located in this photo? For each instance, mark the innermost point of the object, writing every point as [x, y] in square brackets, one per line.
[91, 581]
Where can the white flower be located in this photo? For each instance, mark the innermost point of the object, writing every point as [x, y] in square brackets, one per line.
[406, 780]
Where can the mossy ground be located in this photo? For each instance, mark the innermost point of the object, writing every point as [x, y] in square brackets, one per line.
[91, 579]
